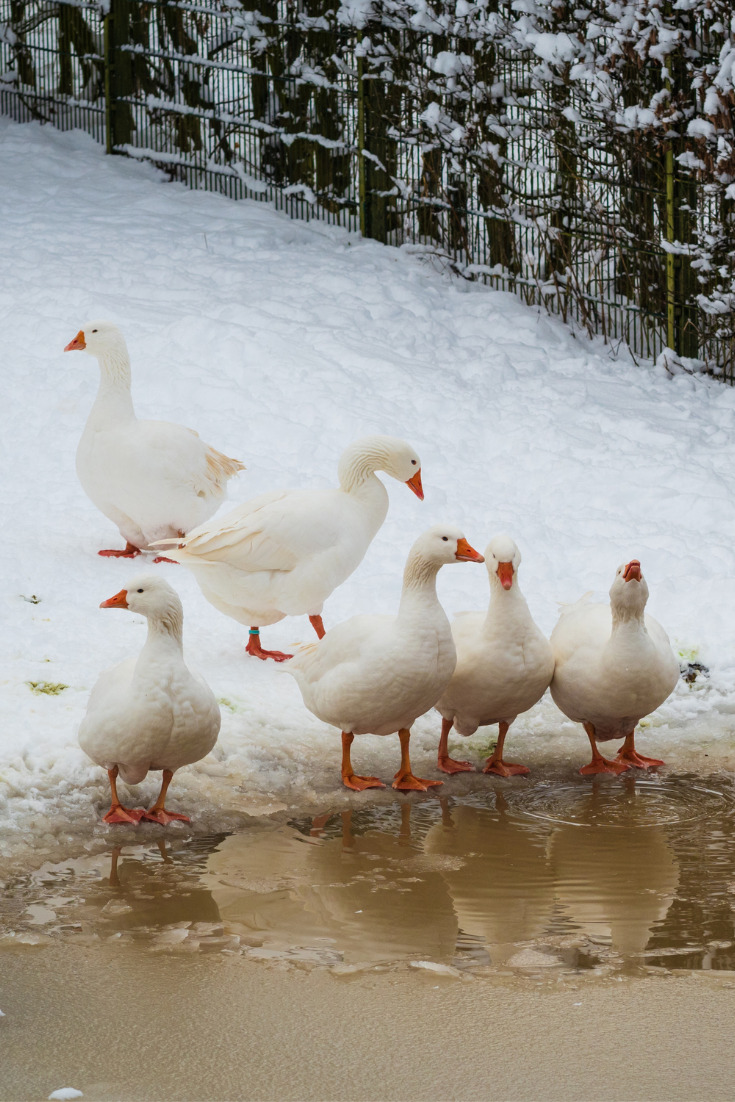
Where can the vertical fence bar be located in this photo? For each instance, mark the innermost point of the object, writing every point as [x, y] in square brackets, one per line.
[278, 99]
[361, 184]
[119, 81]
[671, 333]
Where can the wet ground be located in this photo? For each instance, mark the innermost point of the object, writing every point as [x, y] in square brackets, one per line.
[563, 888]
[614, 875]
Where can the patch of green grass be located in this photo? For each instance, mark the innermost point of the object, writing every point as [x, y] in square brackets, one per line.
[229, 704]
[482, 746]
[48, 688]
[688, 654]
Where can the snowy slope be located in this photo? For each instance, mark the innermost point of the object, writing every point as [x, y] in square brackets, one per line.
[280, 342]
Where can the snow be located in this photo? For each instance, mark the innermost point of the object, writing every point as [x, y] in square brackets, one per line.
[556, 48]
[66, 1093]
[280, 342]
[700, 128]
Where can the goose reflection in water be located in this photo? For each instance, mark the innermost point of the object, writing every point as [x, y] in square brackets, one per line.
[616, 874]
[371, 893]
[501, 886]
[157, 892]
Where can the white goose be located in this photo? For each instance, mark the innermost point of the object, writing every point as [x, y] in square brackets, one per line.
[149, 712]
[504, 663]
[284, 552]
[152, 479]
[613, 665]
[377, 674]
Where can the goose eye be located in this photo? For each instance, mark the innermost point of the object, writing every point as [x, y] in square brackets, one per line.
[413, 461]
[140, 591]
[94, 330]
[445, 538]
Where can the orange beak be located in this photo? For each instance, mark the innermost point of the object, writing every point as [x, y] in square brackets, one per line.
[120, 600]
[632, 570]
[414, 484]
[465, 553]
[505, 573]
[77, 344]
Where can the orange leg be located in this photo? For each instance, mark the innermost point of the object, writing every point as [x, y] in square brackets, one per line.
[495, 763]
[629, 754]
[443, 761]
[162, 558]
[598, 763]
[158, 813]
[349, 778]
[114, 858]
[318, 625]
[348, 838]
[404, 833]
[257, 651]
[118, 813]
[130, 552]
[318, 824]
[404, 779]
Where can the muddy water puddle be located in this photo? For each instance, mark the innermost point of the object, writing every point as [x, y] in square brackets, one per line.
[590, 878]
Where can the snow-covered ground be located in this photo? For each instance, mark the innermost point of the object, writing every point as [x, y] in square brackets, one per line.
[280, 342]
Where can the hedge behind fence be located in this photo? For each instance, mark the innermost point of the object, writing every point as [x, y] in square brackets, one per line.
[580, 155]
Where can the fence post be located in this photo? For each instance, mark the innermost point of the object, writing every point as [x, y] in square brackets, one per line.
[681, 209]
[118, 75]
[361, 188]
[671, 332]
[66, 80]
[377, 154]
[681, 310]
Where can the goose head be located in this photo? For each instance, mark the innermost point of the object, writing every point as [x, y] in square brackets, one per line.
[100, 339]
[149, 596]
[629, 591]
[442, 544]
[381, 453]
[503, 559]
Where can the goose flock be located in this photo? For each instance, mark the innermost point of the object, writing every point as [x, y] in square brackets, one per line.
[282, 554]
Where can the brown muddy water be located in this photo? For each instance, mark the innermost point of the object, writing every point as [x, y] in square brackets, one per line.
[523, 941]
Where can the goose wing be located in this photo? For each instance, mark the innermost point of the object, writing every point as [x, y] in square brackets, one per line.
[275, 531]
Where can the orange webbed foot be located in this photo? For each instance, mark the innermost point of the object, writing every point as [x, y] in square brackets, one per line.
[359, 784]
[130, 551]
[257, 651]
[120, 814]
[406, 782]
[505, 768]
[162, 558]
[449, 765]
[632, 757]
[603, 765]
[163, 817]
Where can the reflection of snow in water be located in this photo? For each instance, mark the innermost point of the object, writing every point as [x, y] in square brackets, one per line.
[374, 893]
[478, 884]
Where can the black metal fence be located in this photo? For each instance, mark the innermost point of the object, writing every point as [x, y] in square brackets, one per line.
[469, 144]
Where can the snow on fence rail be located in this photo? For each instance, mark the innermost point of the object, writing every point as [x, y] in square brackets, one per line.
[580, 155]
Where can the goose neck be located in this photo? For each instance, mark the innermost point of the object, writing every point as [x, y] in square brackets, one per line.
[627, 627]
[419, 585]
[357, 466]
[114, 399]
[507, 606]
[166, 632]
[626, 619]
[370, 494]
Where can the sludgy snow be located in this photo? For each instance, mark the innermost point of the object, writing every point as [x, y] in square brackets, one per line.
[280, 342]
